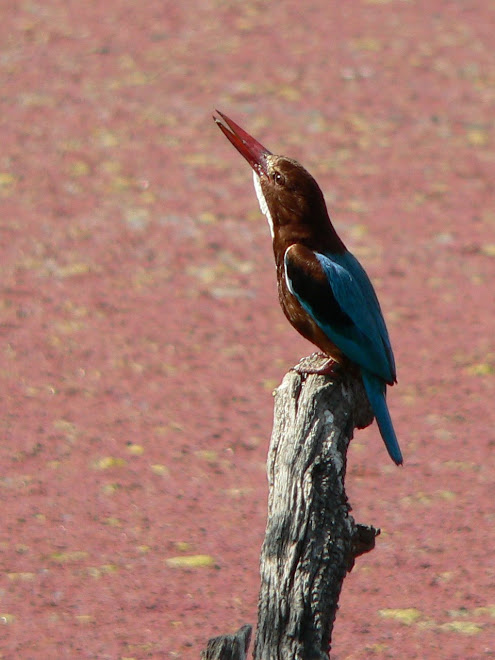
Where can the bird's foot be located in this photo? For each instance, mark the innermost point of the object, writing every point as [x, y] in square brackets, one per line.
[316, 363]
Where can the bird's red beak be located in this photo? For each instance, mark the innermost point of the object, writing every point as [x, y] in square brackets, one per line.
[254, 152]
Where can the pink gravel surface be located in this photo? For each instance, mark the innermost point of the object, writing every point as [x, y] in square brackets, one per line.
[141, 336]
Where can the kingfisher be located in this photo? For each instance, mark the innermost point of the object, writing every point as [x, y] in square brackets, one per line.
[323, 290]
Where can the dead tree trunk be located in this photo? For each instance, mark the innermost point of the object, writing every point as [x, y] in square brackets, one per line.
[311, 540]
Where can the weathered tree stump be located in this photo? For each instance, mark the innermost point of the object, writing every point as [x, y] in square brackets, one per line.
[311, 539]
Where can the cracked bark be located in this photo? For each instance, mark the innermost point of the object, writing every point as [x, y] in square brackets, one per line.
[311, 540]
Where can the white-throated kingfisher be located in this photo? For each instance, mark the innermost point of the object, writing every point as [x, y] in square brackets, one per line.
[323, 289]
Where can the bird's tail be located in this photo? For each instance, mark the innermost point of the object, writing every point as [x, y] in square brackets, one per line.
[375, 389]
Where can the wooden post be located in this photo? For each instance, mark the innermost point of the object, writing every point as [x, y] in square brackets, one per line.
[311, 540]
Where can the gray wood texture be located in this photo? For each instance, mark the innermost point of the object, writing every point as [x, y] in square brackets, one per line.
[311, 540]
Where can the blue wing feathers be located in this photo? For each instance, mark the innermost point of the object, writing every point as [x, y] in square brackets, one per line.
[363, 338]
[355, 294]
[353, 321]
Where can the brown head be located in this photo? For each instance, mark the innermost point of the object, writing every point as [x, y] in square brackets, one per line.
[288, 195]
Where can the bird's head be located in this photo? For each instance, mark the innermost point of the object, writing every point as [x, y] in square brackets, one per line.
[288, 195]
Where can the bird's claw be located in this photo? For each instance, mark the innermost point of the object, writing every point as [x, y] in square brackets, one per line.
[313, 364]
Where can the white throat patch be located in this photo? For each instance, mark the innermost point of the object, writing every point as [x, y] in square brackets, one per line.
[262, 201]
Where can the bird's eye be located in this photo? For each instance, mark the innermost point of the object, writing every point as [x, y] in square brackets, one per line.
[278, 178]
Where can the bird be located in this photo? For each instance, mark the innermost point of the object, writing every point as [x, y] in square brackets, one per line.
[323, 290]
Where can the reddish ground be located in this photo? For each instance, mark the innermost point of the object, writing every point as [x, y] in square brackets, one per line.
[141, 337]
